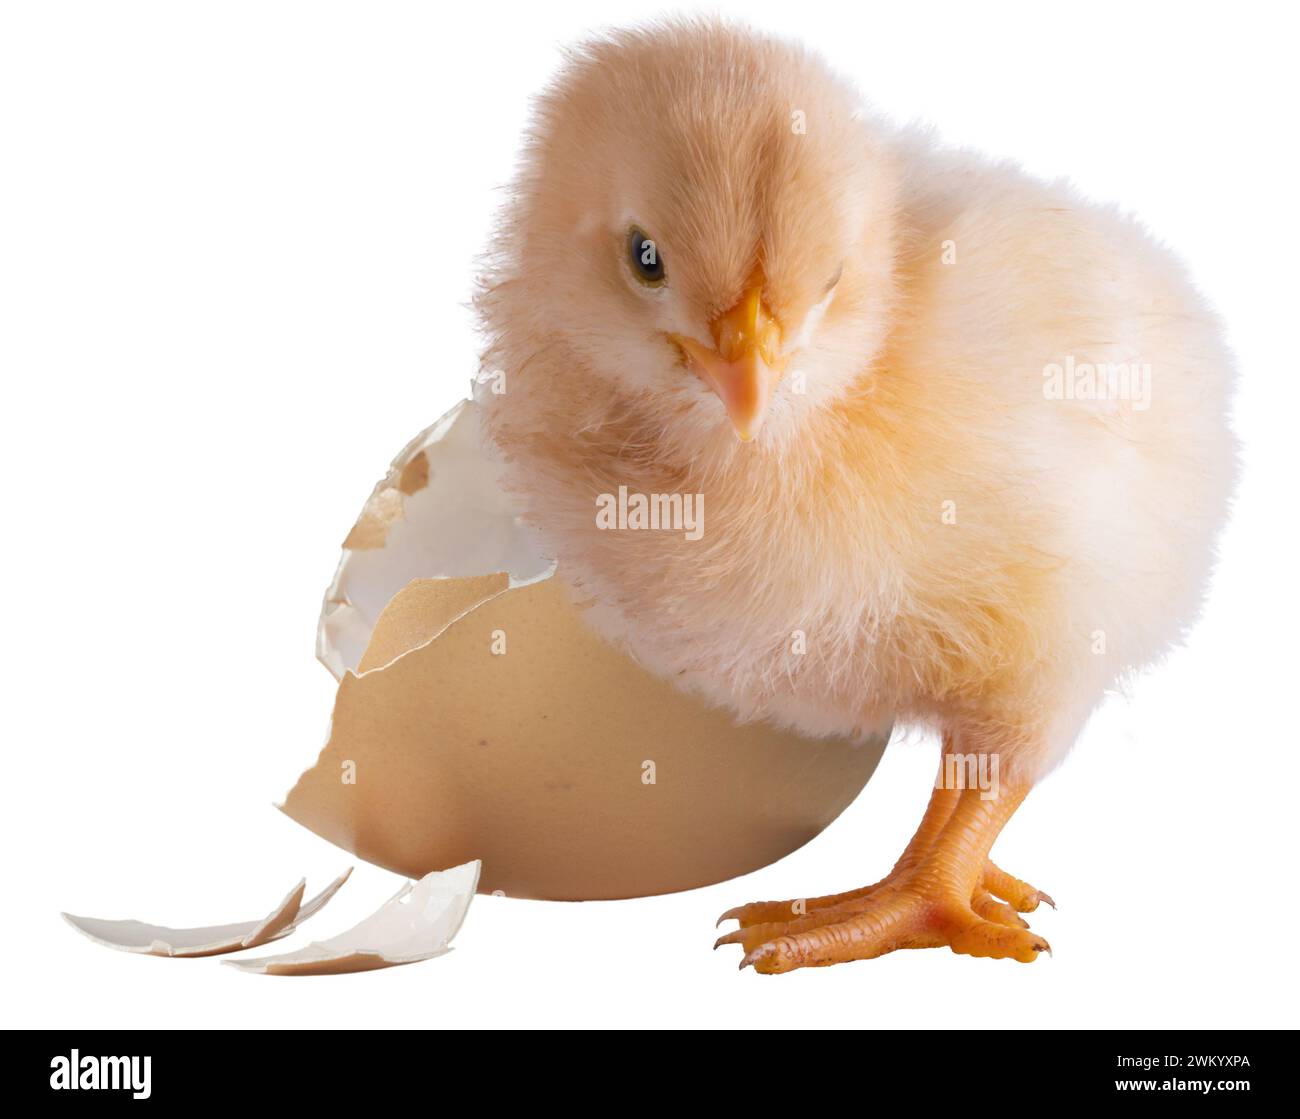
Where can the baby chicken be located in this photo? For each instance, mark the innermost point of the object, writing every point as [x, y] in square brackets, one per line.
[959, 436]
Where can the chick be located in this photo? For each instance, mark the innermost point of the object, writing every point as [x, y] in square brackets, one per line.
[960, 436]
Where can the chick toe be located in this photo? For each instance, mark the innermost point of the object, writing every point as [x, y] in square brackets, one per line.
[999, 912]
[1021, 896]
[784, 912]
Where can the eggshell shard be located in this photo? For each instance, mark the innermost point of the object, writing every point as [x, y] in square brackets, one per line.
[417, 923]
[210, 940]
[478, 715]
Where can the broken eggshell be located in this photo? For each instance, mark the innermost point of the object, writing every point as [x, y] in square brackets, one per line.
[417, 923]
[209, 940]
[478, 715]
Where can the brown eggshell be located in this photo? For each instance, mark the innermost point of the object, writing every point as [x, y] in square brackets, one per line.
[484, 719]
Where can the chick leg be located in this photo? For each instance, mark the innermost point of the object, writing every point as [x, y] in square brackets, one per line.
[936, 898]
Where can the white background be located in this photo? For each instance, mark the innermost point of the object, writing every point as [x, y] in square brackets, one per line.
[236, 242]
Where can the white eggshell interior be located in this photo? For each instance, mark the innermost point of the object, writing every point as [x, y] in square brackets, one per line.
[460, 524]
[417, 923]
[206, 940]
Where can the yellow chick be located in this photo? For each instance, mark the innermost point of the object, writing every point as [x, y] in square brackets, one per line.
[957, 437]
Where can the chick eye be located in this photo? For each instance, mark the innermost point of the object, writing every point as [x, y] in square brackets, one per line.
[643, 258]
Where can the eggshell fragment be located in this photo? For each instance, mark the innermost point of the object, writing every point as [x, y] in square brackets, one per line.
[417, 923]
[210, 940]
[478, 715]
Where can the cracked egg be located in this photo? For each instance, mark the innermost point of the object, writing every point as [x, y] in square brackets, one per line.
[478, 716]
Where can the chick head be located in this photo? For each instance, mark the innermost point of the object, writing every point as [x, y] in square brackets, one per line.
[705, 221]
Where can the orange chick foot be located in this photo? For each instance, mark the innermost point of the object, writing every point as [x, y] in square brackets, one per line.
[942, 892]
[912, 912]
[1016, 897]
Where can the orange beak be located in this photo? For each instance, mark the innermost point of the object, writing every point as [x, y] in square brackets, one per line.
[745, 365]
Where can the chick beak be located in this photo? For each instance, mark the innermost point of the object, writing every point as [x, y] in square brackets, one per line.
[745, 365]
